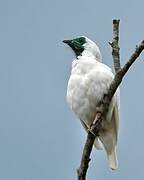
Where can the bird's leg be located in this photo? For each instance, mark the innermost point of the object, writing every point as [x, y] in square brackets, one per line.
[98, 115]
[97, 123]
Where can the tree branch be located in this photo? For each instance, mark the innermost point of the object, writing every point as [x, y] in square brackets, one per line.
[86, 156]
[115, 45]
[88, 148]
[102, 109]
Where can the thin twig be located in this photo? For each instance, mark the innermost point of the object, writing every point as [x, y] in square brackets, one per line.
[115, 45]
[102, 111]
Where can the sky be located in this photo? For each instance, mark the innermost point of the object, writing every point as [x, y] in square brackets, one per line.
[40, 138]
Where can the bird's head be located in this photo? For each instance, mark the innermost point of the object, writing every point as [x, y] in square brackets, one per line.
[84, 46]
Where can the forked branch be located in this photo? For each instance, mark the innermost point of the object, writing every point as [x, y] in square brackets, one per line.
[102, 109]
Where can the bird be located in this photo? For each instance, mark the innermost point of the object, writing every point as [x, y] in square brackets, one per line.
[89, 81]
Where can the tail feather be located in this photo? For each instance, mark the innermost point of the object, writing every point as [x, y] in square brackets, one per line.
[109, 143]
[112, 158]
[108, 137]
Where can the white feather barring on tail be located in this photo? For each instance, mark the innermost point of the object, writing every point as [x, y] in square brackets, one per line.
[89, 81]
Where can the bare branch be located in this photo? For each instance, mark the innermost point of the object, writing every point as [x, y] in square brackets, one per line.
[120, 74]
[86, 157]
[115, 45]
[102, 110]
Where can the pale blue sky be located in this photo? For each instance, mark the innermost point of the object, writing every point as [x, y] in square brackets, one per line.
[40, 138]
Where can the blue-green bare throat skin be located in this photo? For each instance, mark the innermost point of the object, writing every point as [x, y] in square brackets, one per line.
[76, 45]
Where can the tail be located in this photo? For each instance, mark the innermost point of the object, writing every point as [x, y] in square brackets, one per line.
[112, 158]
[108, 137]
[109, 144]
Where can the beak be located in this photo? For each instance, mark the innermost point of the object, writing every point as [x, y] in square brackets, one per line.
[67, 42]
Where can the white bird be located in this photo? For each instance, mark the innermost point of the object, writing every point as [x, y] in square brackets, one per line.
[89, 81]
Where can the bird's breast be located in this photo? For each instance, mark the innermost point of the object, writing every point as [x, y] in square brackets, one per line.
[86, 88]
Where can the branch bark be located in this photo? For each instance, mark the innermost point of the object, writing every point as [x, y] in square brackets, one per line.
[88, 148]
[115, 45]
[102, 109]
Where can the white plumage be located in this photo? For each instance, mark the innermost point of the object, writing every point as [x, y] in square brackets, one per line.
[89, 81]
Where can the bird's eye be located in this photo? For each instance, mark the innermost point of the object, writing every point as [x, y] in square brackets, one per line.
[81, 41]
